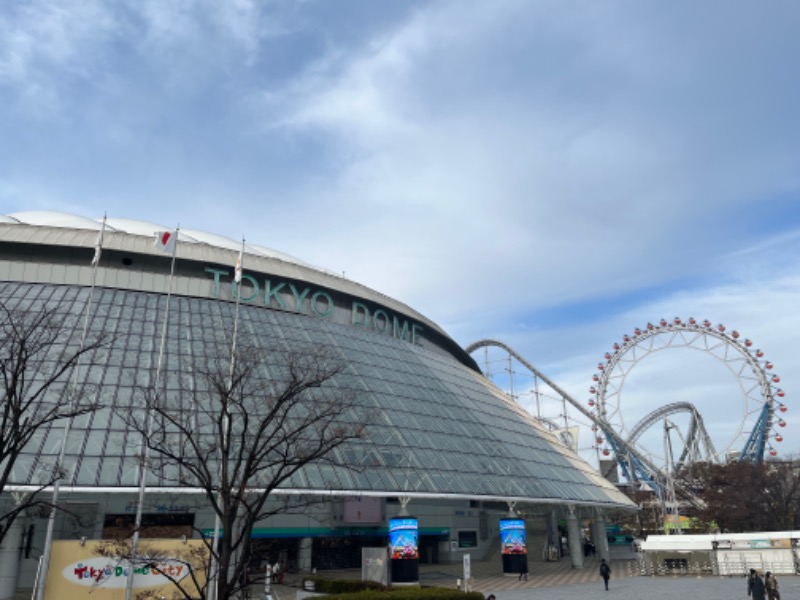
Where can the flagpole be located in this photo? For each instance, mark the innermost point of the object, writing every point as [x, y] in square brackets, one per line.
[214, 575]
[148, 427]
[48, 540]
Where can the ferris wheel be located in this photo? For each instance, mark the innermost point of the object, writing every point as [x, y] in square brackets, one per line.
[761, 407]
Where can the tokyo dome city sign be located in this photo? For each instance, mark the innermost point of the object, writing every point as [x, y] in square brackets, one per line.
[285, 295]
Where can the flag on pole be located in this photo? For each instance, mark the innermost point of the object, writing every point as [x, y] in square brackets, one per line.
[98, 244]
[166, 240]
[238, 270]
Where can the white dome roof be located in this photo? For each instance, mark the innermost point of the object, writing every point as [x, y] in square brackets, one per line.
[48, 218]
[51, 218]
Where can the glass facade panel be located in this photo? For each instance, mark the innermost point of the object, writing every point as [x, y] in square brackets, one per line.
[435, 425]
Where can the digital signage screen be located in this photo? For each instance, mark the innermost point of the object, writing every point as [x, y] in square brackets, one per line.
[512, 536]
[363, 509]
[404, 538]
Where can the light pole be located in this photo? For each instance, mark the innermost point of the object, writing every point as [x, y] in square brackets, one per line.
[670, 503]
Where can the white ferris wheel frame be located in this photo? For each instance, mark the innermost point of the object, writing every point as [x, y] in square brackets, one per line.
[746, 364]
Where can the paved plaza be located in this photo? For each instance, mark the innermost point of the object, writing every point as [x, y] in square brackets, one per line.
[650, 588]
[559, 581]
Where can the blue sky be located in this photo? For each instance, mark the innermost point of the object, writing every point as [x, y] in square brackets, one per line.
[550, 174]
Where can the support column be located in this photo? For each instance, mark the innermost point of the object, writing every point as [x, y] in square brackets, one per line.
[553, 538]
[304, 553]
[575, 539]
[9, 560]
[601, 542]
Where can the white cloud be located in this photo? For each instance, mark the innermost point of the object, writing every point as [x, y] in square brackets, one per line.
[41, 42]
[188, 39]
[457, 172]
[542, 173]
[50, 53]
[762, 309]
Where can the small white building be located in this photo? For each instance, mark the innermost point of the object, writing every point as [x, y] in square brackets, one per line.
[723, 553]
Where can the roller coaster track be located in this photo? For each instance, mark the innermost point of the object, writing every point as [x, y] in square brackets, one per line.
[744, 362]
[636, 465]
[697, 444]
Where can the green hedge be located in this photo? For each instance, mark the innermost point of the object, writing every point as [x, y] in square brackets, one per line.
[354, 589]
[344, 586]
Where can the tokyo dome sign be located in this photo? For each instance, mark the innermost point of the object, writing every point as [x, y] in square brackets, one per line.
[286, 295]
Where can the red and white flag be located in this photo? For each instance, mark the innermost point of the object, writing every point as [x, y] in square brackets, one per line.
[166, 240]
[237, 277]
[98, 244]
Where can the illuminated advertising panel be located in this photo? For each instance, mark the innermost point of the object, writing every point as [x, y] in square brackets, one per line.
[512, 536]
[404, 538]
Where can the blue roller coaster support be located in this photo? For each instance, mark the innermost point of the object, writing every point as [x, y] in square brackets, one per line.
[628, 460]
[753, 450]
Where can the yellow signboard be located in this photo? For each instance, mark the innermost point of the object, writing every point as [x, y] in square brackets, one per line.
[89, 572]
[670, 524]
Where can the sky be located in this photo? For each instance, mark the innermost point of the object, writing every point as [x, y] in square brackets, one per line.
[545, 173]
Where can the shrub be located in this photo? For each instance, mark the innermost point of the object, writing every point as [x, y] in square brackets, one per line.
[344, 589]
[344, 586]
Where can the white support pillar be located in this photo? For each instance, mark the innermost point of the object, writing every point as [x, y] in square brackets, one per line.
[575, 539]
[553, 535]
[595, 537]
[601, 537]
[9, 560]
[304, 552]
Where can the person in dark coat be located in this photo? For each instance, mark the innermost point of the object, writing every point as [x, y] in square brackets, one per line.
[755, 586]
[605, 572]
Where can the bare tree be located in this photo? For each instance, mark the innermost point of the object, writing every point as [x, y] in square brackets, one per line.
[38, 355]
[185, 568]
[239, 431]
[735, 495]
[649, 518]
[783, 493]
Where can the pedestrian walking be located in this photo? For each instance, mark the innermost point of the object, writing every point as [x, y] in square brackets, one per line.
[276, 572]
[605, 572]
[771, 583]
[523, 572]
[755, 586]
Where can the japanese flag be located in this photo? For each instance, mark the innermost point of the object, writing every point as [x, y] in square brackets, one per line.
[165, 241]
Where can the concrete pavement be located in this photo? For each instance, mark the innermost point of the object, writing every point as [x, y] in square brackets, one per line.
[559, 581]
[651, 588]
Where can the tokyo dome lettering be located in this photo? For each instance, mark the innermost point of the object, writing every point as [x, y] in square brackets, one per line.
[288, 296]
[379, 321]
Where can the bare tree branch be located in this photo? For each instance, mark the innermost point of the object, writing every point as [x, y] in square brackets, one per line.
[37, 359]
[239, 435]
[185, 568]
